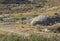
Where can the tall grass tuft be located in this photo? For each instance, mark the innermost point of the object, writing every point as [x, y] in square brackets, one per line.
[32, 37]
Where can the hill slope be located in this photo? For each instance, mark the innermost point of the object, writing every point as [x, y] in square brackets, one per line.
[22, 6]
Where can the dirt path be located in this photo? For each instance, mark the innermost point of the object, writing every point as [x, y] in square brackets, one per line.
[4, 30]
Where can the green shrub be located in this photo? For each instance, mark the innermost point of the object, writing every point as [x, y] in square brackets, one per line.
[23, 18]
[39, 28]
[34, 15]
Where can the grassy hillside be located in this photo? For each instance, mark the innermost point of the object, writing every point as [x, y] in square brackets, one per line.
[21, 13]
[32, 37]
[22, 8]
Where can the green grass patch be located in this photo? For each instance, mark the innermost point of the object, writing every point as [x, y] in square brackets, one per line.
[32, 37]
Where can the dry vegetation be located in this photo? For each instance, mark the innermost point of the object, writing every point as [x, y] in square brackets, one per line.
[33, 33]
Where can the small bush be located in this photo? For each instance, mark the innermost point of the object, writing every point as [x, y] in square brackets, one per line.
[23, 18]
[34, 15]
[39, 28]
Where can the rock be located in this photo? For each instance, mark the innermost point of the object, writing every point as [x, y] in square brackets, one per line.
[42, 20]
[46, 30]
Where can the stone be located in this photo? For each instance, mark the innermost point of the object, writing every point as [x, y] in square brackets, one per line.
[42, 20]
